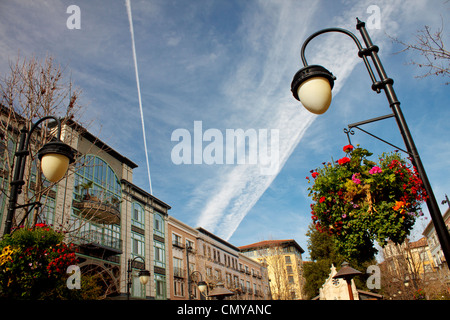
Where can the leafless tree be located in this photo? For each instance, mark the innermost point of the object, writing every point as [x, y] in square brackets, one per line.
[431, 46]
[404, 272]
[32, 90]
[281, 285]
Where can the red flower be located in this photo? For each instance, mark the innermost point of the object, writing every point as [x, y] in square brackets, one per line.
[315, 174]
[343, 160]
[322, 199]
[348, 148]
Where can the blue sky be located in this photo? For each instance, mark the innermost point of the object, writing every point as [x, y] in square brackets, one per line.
[229, 64]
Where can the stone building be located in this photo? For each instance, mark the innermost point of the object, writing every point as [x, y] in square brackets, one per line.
[221, 263]
[439, 262]
[118, 227]
[107, 217]
[199, 255]
[285, 267]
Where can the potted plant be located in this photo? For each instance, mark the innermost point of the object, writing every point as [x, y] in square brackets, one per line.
[360, 201]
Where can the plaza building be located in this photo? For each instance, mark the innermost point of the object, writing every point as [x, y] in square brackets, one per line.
[110, 220]
[284, 263]
[199, 255]
[441, 265]
[119, 229]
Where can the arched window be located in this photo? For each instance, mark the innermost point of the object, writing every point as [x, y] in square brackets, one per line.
[137, 215]
[94, 170]
[96, 179]
[158, 224]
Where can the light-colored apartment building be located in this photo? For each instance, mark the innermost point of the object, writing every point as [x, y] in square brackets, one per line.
[221, 263]
[442, 267]
[284, 263]
[182, 260]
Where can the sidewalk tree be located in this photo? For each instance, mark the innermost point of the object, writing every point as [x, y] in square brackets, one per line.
[33, 89]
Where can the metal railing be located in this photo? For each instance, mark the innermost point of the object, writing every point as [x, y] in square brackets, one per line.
[96, 238]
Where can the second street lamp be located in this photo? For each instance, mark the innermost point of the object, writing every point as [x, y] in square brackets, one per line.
[309, 86]
[144, 275]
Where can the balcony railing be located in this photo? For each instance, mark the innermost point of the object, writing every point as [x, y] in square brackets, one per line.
[96, 210]
[96, 240]
[178, 244]
[178, 272]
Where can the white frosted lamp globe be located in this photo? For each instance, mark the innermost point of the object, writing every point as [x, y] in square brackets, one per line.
[55, 158]
[315, 94]
[312, 86]
[54, 166]
[144, 276]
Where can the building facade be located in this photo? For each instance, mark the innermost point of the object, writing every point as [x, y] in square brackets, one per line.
[408, 261]
[119, 229]
[441, 265]
[221, 263]
[182, 260]
[109, 219]
[284, 263]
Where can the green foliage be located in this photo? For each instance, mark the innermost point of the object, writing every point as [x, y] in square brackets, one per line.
[323, 253]
[359, 201]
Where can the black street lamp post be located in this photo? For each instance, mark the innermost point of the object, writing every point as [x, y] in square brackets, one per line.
[201, 285]
[312, 86]
[55, 157]
[144, 275]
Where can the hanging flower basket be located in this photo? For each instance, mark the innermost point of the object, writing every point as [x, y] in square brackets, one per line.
[360, 201]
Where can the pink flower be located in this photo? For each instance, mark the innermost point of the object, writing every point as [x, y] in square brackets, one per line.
[355, 179]
[375, 170]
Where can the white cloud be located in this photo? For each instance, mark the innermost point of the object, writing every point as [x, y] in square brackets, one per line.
[259, 91]
[262, 102]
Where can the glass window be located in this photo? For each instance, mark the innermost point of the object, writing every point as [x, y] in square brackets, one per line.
[3, 186]
[178, 269]
[47, 211]
[138, 215]
[160, 286]
[178, 285]
[176, 240]
[160, 254]
[94, 177]
[47, 215]
[98, 179]
[137, 288]
[137, 245]
[189, 244]
[158, 226]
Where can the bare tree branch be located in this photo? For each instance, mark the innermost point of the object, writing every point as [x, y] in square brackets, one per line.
[430, 45]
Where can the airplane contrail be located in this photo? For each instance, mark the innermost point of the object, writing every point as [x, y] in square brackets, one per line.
[130, 19]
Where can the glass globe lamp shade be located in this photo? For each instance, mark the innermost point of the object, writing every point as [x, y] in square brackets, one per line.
[312, 87]
[202, 286]
[55, 158]
[144, 276]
